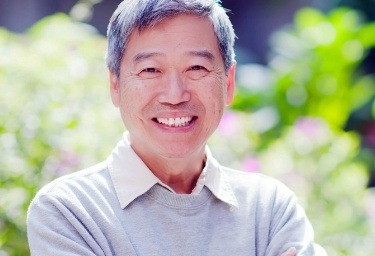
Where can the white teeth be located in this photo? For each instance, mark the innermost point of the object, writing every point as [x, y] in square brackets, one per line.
[175, 122]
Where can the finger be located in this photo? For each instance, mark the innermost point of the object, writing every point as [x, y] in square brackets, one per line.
[290, 252]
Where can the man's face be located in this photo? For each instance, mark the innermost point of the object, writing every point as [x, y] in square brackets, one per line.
[172, 87]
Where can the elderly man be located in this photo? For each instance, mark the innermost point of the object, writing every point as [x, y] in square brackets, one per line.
[161, 192]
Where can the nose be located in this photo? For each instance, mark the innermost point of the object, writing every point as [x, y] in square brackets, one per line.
[174, 90]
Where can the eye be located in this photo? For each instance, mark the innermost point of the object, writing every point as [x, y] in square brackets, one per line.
[196, 68]
[149, 73]
[150, 70]
[197, 72]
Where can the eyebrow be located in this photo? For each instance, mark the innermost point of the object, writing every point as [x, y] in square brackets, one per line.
[145, 55]
[200, 53]
[203, 53]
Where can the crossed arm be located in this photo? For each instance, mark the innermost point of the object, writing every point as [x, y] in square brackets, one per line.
[318, 250]
[291, 252]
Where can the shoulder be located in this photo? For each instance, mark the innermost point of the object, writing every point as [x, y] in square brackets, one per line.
[69, 210]
[77, 185]
[88, 175]
[250, 179]
[257, 187]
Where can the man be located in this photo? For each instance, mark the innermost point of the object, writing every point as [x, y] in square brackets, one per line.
[160, 192]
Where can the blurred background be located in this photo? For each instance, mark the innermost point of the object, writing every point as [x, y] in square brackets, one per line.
[304, 109]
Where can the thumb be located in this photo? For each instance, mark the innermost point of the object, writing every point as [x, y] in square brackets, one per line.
[292, 251]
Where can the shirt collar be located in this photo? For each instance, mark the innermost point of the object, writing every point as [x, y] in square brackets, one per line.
[132, 178]
[214, 178]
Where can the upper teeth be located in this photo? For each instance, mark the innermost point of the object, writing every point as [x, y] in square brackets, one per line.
[176, 122]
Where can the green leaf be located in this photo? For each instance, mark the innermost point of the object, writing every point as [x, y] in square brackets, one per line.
[362, 91]
[367, 35]
[308, 17]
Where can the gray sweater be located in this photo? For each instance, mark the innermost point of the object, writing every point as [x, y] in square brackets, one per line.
[79, 214]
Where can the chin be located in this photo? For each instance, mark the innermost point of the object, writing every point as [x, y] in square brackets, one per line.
[179, 151]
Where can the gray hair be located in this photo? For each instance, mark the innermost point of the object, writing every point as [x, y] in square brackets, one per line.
[141, 14]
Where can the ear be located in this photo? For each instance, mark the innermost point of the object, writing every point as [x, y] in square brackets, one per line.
[114, 88]
[231, 79]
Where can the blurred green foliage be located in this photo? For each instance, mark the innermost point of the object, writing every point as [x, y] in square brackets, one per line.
[314, 68]
[55, 114]
[287, 120]
[294, 111]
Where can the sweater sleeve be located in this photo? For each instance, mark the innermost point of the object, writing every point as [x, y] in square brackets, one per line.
[53, 229]
[290, 226]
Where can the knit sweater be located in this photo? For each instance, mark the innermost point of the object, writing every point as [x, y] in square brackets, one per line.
[79, 214]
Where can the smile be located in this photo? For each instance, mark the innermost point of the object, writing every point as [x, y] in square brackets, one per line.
[175, 122]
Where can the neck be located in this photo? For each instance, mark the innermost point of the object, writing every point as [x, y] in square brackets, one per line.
[181, 177]
[180, 174]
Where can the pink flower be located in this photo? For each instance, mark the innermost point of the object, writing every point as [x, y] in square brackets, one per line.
[310, 126]
[251, 164]
[229, 125]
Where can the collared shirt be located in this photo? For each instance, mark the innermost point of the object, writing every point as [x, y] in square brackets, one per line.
[132, 178]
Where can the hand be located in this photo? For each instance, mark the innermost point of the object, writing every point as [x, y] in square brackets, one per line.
[290, 252]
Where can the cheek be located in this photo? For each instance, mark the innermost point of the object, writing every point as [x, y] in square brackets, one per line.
[130, 101]
[215, 102]
[217, 95]
[125, 98]
[132, 92]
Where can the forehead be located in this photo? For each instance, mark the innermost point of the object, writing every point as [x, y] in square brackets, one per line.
[175, 34]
